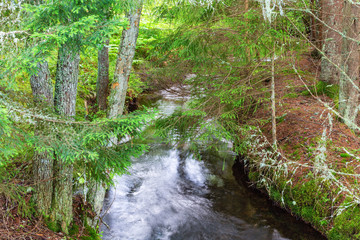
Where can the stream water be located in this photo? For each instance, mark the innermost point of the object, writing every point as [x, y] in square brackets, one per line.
[171, 195]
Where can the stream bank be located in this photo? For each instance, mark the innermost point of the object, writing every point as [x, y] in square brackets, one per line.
[314, 171]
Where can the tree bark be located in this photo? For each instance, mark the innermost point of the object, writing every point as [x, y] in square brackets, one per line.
[95, 197]
[67, 74]
[316, 26]
[42, 162]
[349, 95]
[124, 63]
[332, 17]
[41, 85]
[102, 84]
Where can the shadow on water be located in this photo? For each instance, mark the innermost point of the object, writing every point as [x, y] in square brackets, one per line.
[171, 195]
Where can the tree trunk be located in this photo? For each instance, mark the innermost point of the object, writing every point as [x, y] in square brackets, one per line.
[124, 63]
[67, 74]
[41, 85]
[95, 197]
[349, 95]
[43, 162]
[102, 84]
[316, 26]
[331, 13]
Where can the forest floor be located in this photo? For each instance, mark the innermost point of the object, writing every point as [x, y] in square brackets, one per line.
[310, 192]
[14, 225]
[303, 118]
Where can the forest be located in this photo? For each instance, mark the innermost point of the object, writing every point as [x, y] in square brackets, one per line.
[83, 96]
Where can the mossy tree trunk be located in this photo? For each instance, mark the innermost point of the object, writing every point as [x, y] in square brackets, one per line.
[67, 74]
[42, 90]
[349, 79]
[124, 62]
[332, 17]
[102, 83]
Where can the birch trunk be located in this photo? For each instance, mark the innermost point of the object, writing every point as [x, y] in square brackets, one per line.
[349, 95]
[102, 83]
[42, 162]
[124, 63]
[67, 74]
[332, 17]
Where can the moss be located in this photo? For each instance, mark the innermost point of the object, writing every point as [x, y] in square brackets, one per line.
[333, 234]
[307, 214]
[304, 193]
[345, 155]
[346, 225]
[74, 230]
[312, 202]
[53, 226]
[275, 195]
[253, 176]
[291, 95]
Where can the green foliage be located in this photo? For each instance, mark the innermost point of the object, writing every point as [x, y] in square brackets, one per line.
[78, 24]
[59, 22]
[228, 50]
[91, 146]
[92, 234]
[11, 137]
[136, 85]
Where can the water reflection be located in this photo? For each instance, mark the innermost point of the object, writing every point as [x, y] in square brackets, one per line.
[171, 195]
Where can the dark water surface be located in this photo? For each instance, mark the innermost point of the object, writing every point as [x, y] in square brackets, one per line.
[171, 195]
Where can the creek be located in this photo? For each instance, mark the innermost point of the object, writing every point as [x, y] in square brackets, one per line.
[169, 194]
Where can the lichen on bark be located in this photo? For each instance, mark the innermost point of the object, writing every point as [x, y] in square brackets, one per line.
[67, 74]
[42, 161]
